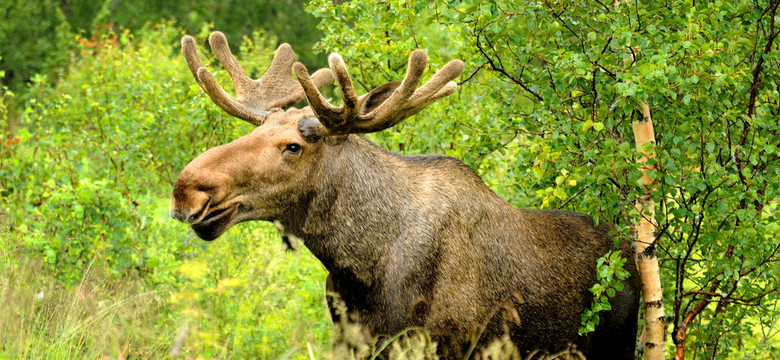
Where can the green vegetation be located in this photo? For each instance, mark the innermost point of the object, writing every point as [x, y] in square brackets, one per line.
[96, 121]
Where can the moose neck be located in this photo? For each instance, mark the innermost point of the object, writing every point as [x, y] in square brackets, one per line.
[354, 210]
[368, 201]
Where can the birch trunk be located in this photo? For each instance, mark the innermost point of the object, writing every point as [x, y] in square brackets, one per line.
[647, 256]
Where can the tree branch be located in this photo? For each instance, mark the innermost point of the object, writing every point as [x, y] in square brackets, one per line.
[499, 68]
[773, 33]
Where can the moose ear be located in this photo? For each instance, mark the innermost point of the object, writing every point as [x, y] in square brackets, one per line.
[369, 102]
[311, 129]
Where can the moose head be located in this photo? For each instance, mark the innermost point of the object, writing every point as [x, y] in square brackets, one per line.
[261, 175]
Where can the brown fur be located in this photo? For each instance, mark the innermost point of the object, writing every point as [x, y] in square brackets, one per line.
[413, 240]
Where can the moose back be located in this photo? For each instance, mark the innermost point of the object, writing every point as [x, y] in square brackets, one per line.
[409, 241]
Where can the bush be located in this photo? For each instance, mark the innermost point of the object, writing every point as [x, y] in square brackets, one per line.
[99, 146]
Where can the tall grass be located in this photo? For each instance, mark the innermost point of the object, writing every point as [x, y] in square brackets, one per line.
[44, 320]
[235, 300]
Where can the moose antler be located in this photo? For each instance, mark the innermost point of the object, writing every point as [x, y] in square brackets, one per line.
[384, 106]
[254, 98]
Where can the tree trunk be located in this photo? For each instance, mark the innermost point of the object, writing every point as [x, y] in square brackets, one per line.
[647, 256]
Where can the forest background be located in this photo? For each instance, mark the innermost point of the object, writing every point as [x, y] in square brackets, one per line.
[98, 114]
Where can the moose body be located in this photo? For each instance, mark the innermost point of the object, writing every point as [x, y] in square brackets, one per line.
[409, 241]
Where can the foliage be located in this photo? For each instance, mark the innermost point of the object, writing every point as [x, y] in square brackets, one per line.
[544, 112]
[89, 220]
[5, 96]
[93, 152]
[285, 20]
[43, 320]
[610, 271]
[263, 303]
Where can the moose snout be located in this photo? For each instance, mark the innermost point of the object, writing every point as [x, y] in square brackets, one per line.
[189, 205]
[202, 185]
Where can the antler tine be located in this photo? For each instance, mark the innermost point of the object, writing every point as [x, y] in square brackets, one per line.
[408, 100]
[414, 70]
[254, 98]
[346, 88]
[439, 86]
[383, 107]
[191, 56]
[331, 116]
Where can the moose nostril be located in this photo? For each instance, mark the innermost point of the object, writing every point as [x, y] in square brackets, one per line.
[205, 188]
[200, 212]
[184, 216]
[193, 217]
[193, 194]
[178, 215]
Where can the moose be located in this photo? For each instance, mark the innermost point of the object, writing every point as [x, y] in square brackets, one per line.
[408, 241]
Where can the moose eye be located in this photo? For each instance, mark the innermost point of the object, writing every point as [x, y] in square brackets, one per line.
[293, 148]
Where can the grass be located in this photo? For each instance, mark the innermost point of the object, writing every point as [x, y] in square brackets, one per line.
[240, 297]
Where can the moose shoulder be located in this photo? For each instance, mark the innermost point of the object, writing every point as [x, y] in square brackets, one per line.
[407, 240]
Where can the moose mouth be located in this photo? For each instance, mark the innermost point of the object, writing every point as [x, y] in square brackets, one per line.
[215, 223]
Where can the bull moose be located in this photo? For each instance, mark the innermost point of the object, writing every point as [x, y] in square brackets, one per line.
[408, 241]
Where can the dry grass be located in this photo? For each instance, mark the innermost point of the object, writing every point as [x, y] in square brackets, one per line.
[352, 341]
[96, 319]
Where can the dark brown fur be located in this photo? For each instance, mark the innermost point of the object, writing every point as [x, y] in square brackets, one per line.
[421, 241]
